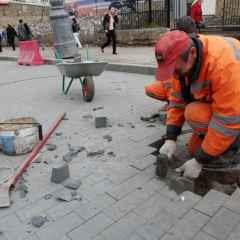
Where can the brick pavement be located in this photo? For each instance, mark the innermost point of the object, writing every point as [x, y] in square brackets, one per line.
[119, 197]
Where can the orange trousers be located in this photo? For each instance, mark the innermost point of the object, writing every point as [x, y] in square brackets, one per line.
[158, 91]
[197, 115]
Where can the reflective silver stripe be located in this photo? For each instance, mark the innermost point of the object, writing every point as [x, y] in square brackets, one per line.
[199, 85]
[227, 119]
[236, 50]
[177, 95]
[176, 105]
[222, 129]
[195, 125]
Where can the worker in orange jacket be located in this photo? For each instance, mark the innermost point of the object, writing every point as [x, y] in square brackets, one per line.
[205, 93]
[160, 90]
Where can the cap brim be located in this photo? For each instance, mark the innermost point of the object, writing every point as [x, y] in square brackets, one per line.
[165, 72]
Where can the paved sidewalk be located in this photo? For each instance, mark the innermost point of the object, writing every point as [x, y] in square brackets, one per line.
[126, 55]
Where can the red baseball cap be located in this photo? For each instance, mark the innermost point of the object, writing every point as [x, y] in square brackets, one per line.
[167, 49]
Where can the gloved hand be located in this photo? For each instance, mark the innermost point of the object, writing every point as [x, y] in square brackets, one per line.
[190, 169]
[168, 148]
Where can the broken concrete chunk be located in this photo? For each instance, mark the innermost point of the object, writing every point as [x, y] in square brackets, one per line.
[131, 125]
[73, 152]
[98, 108]
[108, 138]
[150, 126]
[51, 147]
[87, 116]
[72, 183]
[59, 134]
[64, 195]
[38, 221]
[111, 154]
[74, 193]
[100, 122]
[153, 120]
[95, 153]
[60, 172]
[48, 196]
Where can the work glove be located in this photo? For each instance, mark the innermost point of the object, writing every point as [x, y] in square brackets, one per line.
[190, 169]
[168, 148]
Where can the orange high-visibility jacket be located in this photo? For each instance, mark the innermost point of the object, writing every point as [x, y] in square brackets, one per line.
[216, 81]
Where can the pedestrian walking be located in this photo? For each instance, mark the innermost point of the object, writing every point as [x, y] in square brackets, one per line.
[76, 32]
[109, 25]
[23, 31]
[11, 34]
[0, 41]
[196, 13]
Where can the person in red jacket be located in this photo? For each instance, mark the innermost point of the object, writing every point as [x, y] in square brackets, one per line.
[196, 13]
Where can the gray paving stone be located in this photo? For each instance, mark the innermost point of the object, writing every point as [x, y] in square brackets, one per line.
[64, 208]
[118, 171]
[141, 134]
[189, 225]
[35, 209]
[235, 235]
[157, 226]
[34, 237]
[176, 206]
[12, 228]
[203, 236]
[169, 237]
[95, 190]
[234, 202]
[222, 224]
[58, 229]
[211, 202]
[89, 209]
[143, 162]
[91, 228]
[131, 184]
[131, 201]
[122, 229]
[60, 172]
[135, 237]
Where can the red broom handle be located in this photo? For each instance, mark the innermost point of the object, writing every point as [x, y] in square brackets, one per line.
[36, 150]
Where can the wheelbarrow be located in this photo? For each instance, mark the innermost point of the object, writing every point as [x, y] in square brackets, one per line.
[84, 72]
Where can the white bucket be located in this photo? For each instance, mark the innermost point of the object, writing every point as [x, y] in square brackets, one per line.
[20, 139]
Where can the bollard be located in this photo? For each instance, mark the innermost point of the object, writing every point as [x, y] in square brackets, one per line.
[64, 42]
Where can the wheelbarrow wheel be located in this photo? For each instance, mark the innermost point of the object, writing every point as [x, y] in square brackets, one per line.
[88, 89]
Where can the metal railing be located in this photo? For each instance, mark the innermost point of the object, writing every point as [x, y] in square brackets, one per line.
[140, 14]
[231, 15]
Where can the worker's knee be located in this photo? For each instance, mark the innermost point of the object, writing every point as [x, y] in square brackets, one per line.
[198, 114]
[156, 91]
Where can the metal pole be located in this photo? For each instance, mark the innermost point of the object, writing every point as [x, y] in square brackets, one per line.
[149, 11]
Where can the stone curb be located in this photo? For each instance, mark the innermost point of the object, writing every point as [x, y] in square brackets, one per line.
[118, 67]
